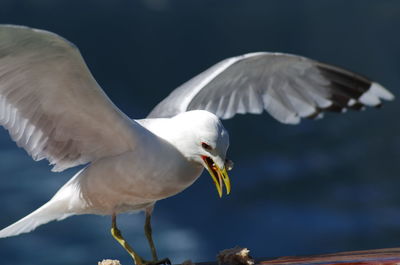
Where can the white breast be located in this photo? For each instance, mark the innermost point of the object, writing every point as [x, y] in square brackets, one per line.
[131, 181]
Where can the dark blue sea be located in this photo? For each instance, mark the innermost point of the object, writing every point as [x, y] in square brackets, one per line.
[322, 186]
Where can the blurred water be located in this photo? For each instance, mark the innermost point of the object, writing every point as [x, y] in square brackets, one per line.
[318, 187]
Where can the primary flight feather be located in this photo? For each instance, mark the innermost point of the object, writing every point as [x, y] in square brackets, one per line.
[54, 109]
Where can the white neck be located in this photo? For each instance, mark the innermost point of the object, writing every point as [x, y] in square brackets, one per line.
[168, 130]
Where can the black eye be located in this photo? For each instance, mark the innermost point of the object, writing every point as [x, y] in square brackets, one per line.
[206, 146]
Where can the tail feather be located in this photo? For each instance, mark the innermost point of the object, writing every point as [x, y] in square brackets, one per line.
[46, 213]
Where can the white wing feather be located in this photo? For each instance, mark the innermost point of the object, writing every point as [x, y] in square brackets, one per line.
[50, 103]
[289, 87]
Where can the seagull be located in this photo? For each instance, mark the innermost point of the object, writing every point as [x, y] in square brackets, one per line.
[54, 109]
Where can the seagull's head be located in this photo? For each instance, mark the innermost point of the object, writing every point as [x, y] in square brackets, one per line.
[205, 141]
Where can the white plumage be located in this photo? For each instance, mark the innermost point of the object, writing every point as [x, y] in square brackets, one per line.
[54, 109]
[289, 87]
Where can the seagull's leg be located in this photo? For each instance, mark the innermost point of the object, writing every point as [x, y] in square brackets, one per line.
[116, 233]
[148, 232]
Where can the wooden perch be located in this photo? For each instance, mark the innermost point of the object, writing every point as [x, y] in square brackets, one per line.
[388, 256]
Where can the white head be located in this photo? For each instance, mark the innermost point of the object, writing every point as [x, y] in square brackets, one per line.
[202, 138]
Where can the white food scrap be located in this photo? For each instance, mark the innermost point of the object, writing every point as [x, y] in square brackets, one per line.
[109, 262]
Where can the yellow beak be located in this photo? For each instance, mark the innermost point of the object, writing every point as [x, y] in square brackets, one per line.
[219, 176]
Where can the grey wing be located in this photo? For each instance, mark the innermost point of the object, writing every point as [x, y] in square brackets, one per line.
[50, 103]
[289, 87]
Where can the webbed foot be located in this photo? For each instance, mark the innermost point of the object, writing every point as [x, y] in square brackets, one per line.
[165, 261]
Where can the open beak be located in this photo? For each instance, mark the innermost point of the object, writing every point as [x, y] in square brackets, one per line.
[219, 176]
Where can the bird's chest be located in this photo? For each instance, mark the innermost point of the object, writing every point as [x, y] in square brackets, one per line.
[136, 178]
[163, 177]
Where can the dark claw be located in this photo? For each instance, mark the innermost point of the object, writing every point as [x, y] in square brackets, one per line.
[165, 261]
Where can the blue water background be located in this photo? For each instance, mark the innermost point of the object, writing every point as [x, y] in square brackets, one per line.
[323, 186]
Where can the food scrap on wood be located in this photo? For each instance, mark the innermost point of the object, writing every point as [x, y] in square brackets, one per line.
[109, 262]
[235, 256]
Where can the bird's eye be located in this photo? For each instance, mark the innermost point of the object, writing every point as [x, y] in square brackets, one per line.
[206, 146]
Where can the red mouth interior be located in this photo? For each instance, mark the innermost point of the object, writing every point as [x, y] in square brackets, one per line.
[211, 165]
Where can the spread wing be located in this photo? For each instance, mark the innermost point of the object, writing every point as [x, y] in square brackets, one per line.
[50, 103]
[289, 87]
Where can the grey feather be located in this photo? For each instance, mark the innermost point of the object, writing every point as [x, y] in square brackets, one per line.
[50, 103]
[289, 87]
